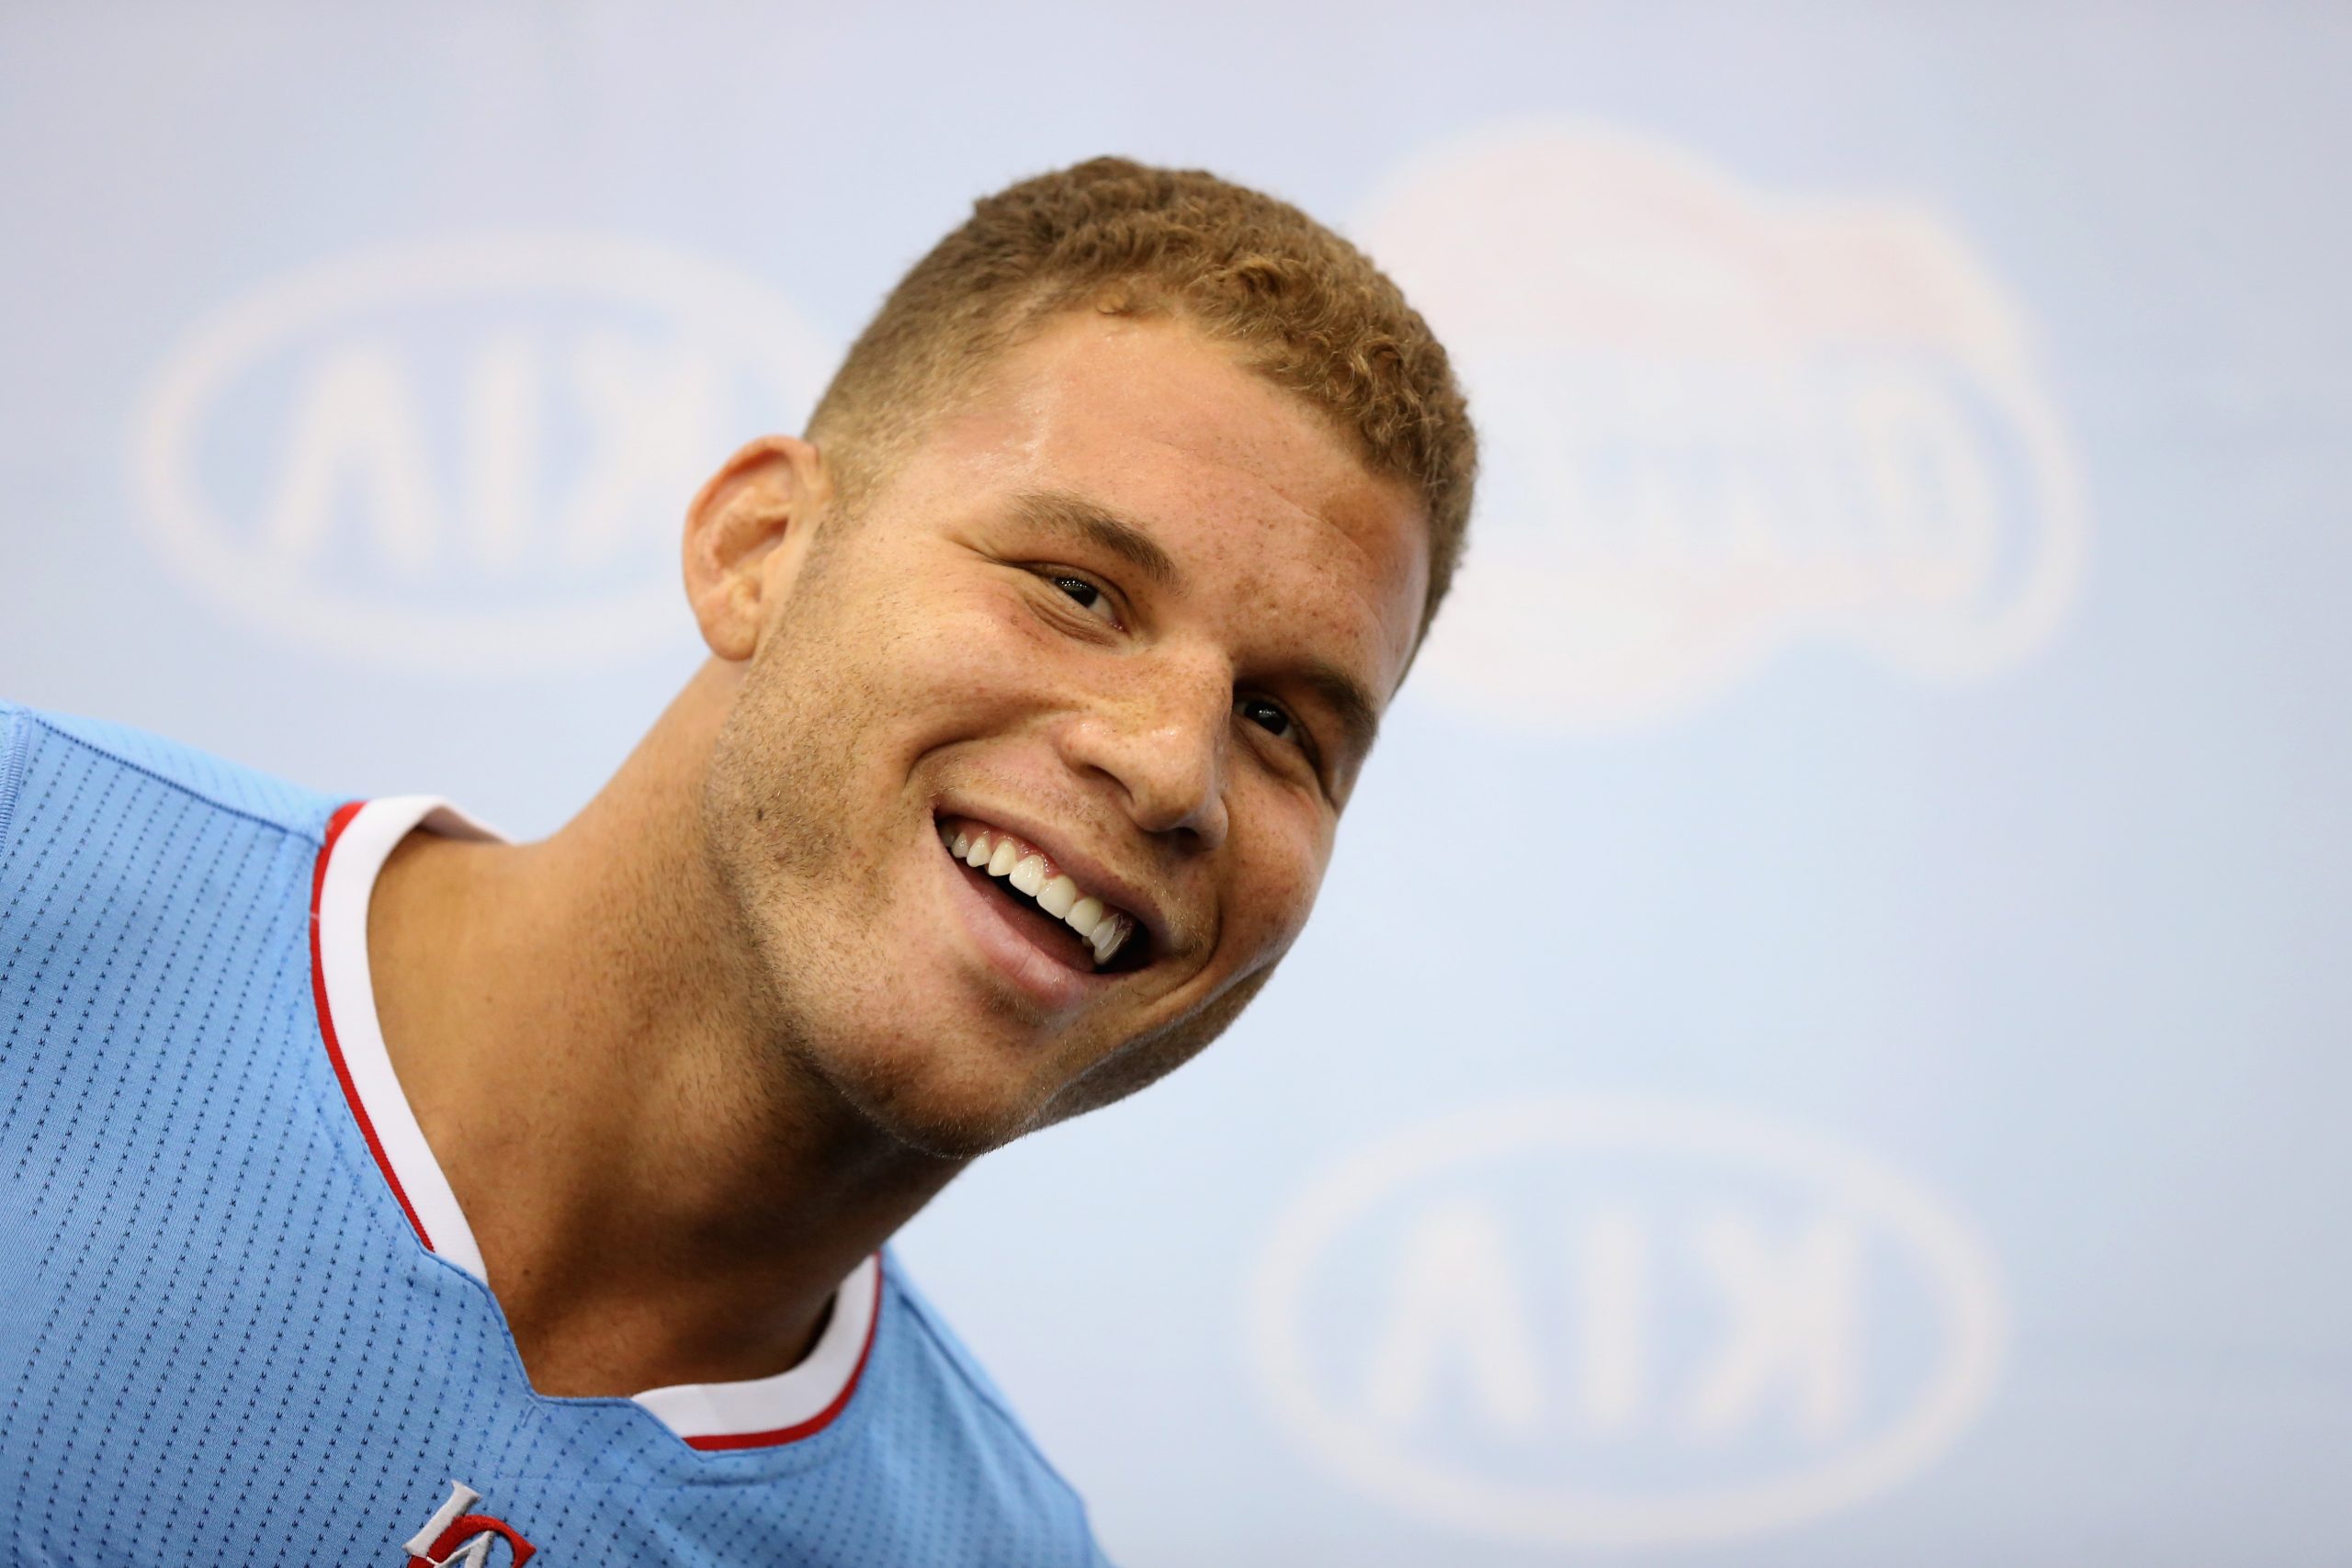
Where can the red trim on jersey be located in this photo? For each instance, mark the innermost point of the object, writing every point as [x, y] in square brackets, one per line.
[463, 1531]
[336, 825]
[823, 1418]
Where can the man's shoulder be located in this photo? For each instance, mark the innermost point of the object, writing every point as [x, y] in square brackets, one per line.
[60, 768]
[119, 850]
[963, 1406]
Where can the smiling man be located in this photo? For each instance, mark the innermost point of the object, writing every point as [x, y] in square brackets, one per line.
[378, 1186]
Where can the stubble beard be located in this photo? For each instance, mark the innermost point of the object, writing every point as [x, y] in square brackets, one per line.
[780, 827]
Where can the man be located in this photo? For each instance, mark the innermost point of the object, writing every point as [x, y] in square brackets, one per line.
[373, 1186]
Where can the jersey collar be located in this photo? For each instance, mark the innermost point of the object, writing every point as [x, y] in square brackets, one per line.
[360, 837]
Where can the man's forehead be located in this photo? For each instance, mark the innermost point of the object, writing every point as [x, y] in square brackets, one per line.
[1086, 379]
[1155, 426]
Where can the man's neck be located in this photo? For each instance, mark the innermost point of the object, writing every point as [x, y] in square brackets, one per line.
[661, 1194]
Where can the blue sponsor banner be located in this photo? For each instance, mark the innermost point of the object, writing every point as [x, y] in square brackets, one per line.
[1822, 1042]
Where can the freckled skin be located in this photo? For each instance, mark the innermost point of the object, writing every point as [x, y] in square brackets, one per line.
[687, 1061]
[920, 653]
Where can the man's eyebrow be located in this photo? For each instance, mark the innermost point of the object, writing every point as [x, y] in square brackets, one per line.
[1074, 514]
[1351, 704]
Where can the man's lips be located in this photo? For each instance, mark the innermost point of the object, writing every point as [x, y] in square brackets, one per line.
[1050, 937]
[1053, 971]
[1033, 879]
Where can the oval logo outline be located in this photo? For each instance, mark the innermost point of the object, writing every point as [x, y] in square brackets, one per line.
[713, 301]
[1654, 643]
[1945, 1248]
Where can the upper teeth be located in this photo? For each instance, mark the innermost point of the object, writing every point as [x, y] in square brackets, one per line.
[1001, 855]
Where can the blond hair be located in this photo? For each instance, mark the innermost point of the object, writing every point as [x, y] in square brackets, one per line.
[1305, 308]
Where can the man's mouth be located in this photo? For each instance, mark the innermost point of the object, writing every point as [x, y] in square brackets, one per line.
[1047, 902]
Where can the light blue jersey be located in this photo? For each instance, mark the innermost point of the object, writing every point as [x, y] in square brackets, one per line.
[242, 1317]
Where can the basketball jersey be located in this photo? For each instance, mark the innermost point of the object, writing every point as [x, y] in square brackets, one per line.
[242, 1317]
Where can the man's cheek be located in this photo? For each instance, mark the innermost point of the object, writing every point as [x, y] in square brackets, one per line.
[982, 645]
[1286, 887]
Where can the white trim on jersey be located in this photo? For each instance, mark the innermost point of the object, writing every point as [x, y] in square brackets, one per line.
[770, 1409]
[367, 842]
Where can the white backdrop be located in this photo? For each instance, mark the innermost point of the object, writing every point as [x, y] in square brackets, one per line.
[1823, 1041]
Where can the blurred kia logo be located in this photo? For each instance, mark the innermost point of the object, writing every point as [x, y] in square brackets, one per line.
[1719, 424]
[1618, 1323]
[462, 456]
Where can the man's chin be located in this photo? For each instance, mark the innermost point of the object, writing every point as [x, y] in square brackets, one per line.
[936, 1111]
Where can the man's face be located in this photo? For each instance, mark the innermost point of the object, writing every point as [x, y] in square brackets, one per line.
[1131, 612]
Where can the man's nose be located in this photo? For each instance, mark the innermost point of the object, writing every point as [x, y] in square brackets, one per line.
[1160, 732]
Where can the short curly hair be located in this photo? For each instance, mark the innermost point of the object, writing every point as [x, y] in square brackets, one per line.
[1303, 308]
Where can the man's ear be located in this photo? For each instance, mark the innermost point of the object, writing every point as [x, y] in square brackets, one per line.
[746, 532]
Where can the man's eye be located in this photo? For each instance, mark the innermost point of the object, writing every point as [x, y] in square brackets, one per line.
[1088, 596]
[1269, 717]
